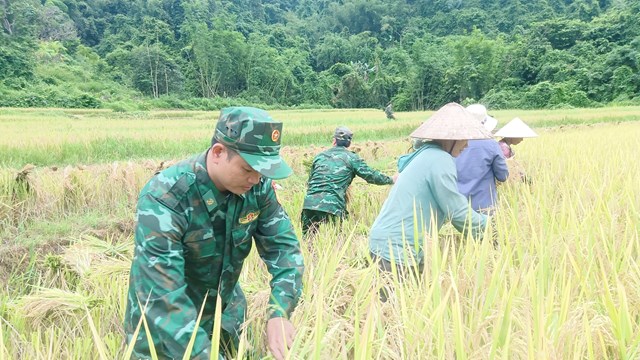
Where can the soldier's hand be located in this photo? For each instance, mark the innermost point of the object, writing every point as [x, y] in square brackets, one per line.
[280, 333]
[395, 177]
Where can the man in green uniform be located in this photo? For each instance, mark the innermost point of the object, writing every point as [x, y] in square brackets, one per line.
[195, 225]
[331, 174]
[389, 111]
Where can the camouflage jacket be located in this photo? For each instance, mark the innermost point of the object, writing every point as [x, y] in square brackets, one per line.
[191, 239]
[331, 174]
[388, 110]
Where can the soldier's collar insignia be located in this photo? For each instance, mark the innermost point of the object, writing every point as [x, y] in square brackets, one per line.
[209, 200]
[252, 216]
[275, 135]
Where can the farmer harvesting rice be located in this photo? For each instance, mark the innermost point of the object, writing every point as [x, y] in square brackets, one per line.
[195, 225]
[512, 134]
[331, 174]
[480, 165]
[426, 192]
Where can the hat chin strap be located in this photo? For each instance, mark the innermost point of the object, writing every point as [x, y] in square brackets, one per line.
[452, 146]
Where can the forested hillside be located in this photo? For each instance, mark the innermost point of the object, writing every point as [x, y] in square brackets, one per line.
[420, 54]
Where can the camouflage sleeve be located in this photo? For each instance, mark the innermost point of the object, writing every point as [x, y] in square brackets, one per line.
[279, 248]
[158, 278]
[370, 175]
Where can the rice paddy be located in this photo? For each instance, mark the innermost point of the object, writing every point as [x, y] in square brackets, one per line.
[563, 282]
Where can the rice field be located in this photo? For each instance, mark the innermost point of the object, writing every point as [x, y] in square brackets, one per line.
[563, 282]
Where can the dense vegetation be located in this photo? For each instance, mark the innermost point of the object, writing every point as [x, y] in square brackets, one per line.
[420, 54]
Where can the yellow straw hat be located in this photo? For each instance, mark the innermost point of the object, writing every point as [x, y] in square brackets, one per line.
[451, 122]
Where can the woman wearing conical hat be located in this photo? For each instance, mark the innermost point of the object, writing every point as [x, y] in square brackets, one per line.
[512, 134]
[425, 194]
[481, 165]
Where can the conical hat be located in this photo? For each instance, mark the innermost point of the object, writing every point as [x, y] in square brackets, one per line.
[451, 122]
[479, 112]
[516, 128]
[490, 123]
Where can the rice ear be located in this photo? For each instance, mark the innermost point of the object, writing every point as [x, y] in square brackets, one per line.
[217, 324]
[152, 347]
[192, 340]
[96, 337]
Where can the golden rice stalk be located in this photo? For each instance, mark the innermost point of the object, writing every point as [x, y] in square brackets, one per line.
[192, 340]
[21, 176]
[3, 348]
[90, 251]
[67, 181]
[516, 170]
[97, 340]
[109, 268]
[217, 324]
[127, 177]
[129, 182]
[152, 348]
[47, 305]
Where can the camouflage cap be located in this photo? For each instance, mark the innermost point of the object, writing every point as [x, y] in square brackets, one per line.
[256, 137]
[343, 133]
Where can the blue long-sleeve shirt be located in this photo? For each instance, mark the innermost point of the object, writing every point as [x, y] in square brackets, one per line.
[424, 195]
[479, 166]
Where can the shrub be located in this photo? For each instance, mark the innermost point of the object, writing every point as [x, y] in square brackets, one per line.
[120, 107]
[502, 99]
[83, 101]
[549, 95]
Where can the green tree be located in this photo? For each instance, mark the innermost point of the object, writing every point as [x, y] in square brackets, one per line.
[477, 64]
[154, 72]
[16, 62]
[19, 17]
[216, 61]
[428, 82]
[55, 25]
[353, 90]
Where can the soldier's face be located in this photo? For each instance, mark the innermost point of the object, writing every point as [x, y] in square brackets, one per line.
[231, 173]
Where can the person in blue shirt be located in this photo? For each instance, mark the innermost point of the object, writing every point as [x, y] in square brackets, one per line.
[480, 165]
[426, 194]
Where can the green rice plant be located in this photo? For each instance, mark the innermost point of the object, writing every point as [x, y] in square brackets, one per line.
[152, 348]
[215, 337]
[129, 349]
[69, 136]
[4, 353]
[96, 337]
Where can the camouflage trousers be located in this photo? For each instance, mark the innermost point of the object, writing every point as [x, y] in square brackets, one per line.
[311, 220]
[232, 318]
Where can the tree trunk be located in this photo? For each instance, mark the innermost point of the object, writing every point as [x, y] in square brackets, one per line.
[5, 19]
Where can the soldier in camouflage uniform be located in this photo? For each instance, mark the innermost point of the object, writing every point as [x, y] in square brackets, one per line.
[331, 174]
[389, 111]
[195, 225]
